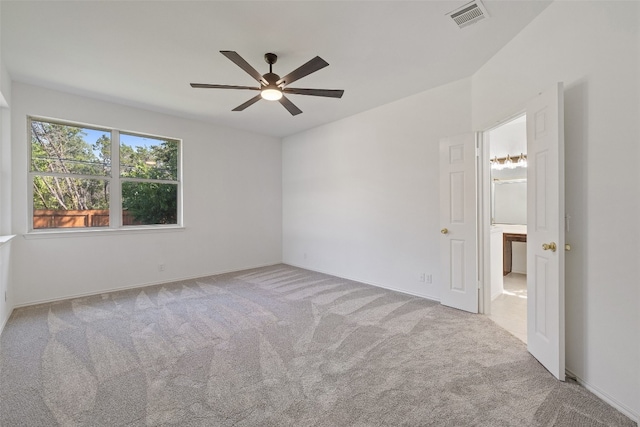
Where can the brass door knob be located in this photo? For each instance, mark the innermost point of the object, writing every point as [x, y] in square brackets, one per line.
[444, 231]
[549, 246]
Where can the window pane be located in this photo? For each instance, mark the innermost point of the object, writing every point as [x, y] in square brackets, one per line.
[150, 158]
[67, 149]
[145, 203]
[70, 202]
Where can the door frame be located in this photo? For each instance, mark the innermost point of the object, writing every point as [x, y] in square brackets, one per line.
[484, 213]
[545, 210]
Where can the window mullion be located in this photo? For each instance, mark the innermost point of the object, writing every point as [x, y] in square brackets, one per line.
[115, 193]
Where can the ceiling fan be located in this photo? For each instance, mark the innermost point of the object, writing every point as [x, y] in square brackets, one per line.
[272, 87]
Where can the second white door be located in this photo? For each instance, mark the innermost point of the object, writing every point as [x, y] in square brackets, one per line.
[458, 219]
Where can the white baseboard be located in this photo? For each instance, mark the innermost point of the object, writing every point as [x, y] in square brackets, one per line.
[162, 282]
[6, 319]
[628, 412]
[136, 286]
[377, 285]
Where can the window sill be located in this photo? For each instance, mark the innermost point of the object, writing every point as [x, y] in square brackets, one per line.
[6, 239]
[51, 234]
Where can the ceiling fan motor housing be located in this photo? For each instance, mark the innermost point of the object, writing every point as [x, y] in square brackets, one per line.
[271, 78]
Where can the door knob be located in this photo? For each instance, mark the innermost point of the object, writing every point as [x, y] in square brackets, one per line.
[549, 246]
[444, 231]
[567, 247]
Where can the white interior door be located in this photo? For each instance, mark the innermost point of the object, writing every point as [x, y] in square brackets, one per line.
[545, 230]
[458, 221]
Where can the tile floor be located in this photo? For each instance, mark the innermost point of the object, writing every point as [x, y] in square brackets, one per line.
[509, 310]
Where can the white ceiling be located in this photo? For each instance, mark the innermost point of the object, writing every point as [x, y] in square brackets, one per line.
[145, 53]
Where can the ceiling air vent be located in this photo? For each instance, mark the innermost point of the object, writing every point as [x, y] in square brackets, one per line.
[469, 14]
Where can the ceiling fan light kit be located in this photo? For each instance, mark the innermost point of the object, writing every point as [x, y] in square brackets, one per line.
[271, 93]
[272, 87]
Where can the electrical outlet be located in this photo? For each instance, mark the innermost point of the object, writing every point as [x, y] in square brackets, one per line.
[423, 277]
[161, 267]
[428, 279]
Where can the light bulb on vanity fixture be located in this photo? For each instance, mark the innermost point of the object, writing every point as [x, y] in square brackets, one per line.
[508, 163]
[522, 161]
[495, 164]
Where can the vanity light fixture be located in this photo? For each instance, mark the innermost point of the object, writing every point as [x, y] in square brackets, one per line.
[508, 163]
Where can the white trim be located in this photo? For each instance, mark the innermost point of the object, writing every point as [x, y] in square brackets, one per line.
[377, 285]
[6, 319]
[76, 123]
[484, 214]
[504, 120]
[142, 285]
[6, 239]
[96, 231]
[626, 411]
[29, 183]
[115, 191]
[483, 203]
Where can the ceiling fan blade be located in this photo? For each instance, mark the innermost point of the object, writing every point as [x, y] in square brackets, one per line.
[208, 86]
[290, 106]
[329, 93]
[312, 66]
[240, 62]
[248, 103]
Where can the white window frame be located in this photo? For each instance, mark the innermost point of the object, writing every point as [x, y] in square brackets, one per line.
[114, 180]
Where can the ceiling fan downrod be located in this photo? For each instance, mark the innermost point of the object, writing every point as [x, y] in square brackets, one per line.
[270, 58]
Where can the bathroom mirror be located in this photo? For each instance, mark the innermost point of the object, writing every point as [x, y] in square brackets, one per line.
[509, 196]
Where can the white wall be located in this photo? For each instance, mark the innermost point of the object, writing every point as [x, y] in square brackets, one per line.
[593, 47]
[6, 304]
[496, 261]
[232, 206]
[519, 257]
[360, 196]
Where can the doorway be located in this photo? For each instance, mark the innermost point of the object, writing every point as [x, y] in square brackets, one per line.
[507, 301]
[465, 215]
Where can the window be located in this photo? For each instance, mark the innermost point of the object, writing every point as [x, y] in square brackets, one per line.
[90, 177]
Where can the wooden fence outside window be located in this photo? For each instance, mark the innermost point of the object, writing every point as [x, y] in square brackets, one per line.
[43, 218]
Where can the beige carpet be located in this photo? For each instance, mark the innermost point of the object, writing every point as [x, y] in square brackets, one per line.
[276, 346]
